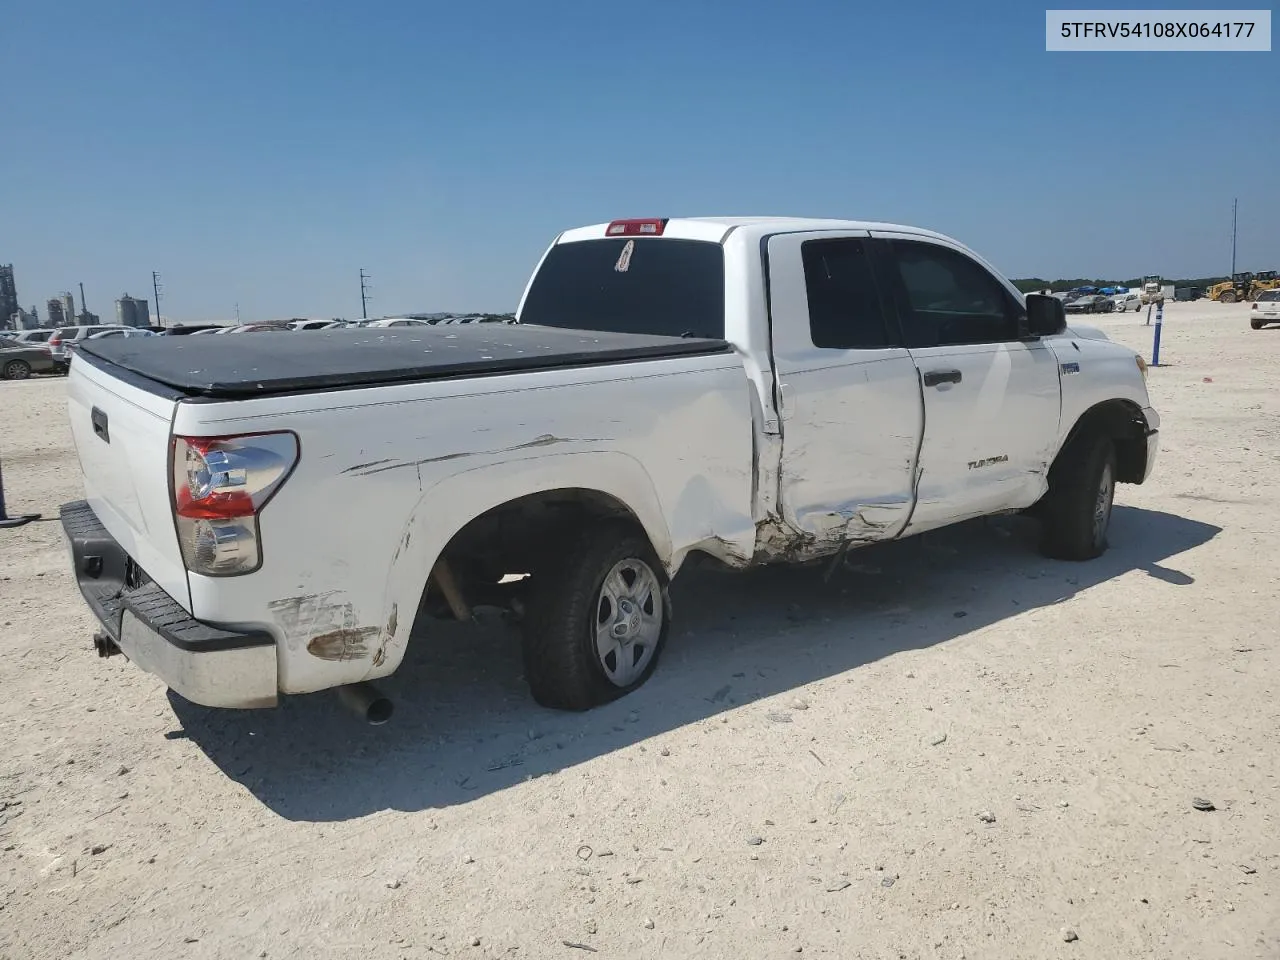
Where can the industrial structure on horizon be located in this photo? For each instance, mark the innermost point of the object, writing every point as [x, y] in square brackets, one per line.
[56, 312]
[60, 310]
[133, 311]
[8, 294]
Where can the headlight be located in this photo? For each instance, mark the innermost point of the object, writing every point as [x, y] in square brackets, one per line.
[1142, 364]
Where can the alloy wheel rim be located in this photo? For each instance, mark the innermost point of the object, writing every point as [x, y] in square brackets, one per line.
[1102, 505]
[628, 623]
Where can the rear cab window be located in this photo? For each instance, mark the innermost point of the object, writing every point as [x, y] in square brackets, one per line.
[845, 308]
[657, 286]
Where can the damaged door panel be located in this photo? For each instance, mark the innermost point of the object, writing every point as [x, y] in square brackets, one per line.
[852, 417]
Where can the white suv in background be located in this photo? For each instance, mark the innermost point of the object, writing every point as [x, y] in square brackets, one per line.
[65, 337]
[1127, 301]
[29, 338]
[1266, 309]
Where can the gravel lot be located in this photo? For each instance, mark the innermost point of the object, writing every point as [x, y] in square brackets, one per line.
[953, 749]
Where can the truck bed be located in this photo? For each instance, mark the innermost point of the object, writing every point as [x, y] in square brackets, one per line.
[240, 365]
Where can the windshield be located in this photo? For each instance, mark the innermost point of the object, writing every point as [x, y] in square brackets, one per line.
[1269, 295]
[662, 287]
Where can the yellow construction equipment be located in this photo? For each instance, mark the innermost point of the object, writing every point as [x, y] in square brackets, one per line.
[1266, 280]
[1243, 286]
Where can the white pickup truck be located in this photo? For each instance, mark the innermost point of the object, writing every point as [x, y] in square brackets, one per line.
[273, 514]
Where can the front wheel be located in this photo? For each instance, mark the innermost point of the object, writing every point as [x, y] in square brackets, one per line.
[17, 370]
[597, 621]
[1076, 512]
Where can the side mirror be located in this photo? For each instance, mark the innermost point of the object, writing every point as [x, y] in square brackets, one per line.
[1046, 316]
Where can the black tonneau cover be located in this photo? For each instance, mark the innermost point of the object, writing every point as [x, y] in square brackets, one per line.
[238, 365]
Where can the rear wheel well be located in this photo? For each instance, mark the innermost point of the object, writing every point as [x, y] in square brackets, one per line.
[1123, 423]
[519, 538]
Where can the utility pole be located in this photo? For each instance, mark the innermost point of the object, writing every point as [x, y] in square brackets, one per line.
[155, 288]
[1234, 204]
[364, 295]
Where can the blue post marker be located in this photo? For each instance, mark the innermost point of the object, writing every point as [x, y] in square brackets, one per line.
[5, 519]
[1155, 346]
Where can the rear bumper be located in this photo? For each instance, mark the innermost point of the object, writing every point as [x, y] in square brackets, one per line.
[201, 662]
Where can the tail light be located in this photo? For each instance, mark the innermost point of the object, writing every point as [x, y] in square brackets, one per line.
[1254, 307]
[55, 341]
[220, 485]
[636, 228]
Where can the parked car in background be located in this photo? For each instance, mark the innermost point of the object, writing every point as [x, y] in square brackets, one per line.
[400, 322]
[1124, 302]
[19, 360]
[1266, 309]
[137, 332]
[1090, 303]
[68, 337]
[314, 324]
[28, 336]
[187, 329]
[262, 327]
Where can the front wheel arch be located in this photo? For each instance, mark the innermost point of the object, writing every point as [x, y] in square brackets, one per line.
[1122, 422]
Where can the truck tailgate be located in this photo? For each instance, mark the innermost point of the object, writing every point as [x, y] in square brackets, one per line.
[121, 436]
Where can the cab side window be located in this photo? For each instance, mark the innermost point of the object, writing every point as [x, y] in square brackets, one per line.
[950, 298]
[845, 311]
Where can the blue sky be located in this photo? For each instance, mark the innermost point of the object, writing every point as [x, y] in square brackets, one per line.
[261, 153]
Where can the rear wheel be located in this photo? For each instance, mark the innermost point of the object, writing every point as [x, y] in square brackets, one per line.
[17, 370]
[1228, 296]
[1256, 324]
[597, 621]
[1076, 512]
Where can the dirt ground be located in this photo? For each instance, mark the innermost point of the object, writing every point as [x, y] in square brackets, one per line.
[953, 749]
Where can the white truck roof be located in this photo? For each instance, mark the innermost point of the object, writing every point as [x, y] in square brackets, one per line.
[715, 229]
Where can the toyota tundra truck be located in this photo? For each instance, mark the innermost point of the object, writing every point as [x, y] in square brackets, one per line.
[282, 514]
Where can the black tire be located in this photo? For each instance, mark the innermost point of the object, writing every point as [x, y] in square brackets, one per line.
[1256, 324]
[17, 370]
[561, 663]
[1070, 524]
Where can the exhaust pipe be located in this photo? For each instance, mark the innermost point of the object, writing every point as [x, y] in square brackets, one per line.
[366, 702]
